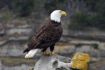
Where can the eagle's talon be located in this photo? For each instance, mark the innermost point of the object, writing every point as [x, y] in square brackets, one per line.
[45, 53]
[52, 53]
[48, 53]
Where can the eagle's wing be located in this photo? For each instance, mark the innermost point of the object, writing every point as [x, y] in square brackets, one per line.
[36, 38]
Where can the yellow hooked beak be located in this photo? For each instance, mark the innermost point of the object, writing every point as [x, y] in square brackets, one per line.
[63, 13]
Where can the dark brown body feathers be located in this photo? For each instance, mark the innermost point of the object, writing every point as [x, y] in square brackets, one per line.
[46, 36]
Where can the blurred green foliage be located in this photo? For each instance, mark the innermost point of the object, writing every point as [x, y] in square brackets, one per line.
[51, 5]
[83, 13]
[93, 17]
[22, 7]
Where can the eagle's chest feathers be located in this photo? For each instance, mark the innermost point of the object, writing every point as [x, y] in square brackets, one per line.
[54, 30]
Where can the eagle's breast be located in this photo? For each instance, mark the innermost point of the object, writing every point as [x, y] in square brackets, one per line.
[54, 31]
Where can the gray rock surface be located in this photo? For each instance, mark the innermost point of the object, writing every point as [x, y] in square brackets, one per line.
[51, 63]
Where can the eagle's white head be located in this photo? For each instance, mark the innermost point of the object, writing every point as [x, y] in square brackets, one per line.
[56, 15]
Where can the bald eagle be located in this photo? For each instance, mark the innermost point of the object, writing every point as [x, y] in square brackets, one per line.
[47, 35]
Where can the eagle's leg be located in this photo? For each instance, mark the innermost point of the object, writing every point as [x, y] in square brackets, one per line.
[52, 50]
[45, 52]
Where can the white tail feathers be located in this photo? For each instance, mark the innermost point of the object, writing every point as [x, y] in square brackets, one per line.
[31, 53]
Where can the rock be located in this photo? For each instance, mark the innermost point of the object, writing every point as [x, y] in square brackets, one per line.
[97, 65]
[0, 65]
[51, 63]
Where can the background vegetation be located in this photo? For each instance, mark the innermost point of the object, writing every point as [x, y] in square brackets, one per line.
[83, 14]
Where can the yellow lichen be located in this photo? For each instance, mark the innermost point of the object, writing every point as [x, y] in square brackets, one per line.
[80, 61]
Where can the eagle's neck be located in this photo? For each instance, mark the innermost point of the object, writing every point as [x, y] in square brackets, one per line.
[56, 18]
[55, 23]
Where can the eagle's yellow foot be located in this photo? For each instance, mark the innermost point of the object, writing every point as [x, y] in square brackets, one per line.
[46, 53]
[52, 53]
